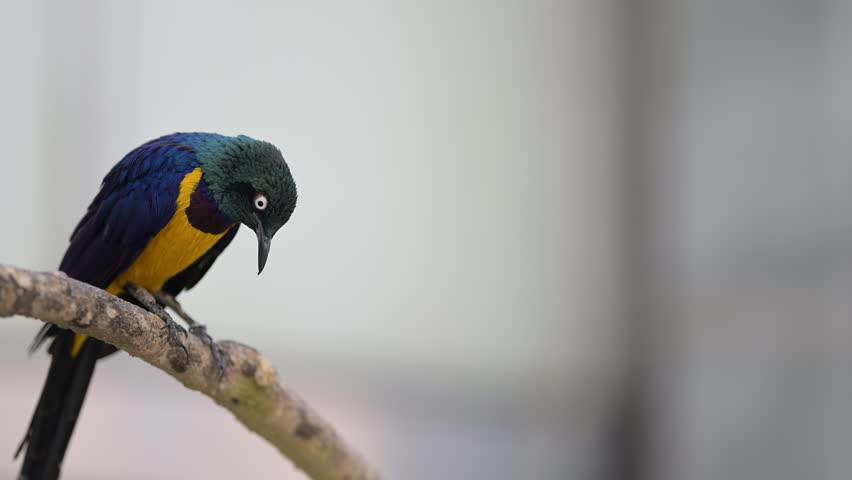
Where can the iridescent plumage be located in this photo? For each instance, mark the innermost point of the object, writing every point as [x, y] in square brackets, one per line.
[162, 216]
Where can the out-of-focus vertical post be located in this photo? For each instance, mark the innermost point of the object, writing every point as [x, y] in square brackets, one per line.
[634, 435]
[88, 100]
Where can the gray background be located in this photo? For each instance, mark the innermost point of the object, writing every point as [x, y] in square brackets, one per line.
[454, 290]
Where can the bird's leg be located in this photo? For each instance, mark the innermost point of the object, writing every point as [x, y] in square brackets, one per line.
[147, 301]
[196, 328]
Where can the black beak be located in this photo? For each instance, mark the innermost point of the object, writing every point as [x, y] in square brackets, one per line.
[263, 243]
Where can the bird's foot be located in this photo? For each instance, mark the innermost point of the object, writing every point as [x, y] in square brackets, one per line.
[196, 328]
[175, 329]
[147, 301]
[219, 353]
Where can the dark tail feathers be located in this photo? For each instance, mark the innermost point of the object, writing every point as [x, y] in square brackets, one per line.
[56, 413]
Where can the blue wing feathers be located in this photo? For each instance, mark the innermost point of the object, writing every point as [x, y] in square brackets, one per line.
[136, 200]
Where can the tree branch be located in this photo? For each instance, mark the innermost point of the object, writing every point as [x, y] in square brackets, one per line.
[249, 388]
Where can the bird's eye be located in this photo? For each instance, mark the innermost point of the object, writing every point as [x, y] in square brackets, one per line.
[260, 201]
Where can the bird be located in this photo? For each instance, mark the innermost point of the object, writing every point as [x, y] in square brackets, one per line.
[161, 217]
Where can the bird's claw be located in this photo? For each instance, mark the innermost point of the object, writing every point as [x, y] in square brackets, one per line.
[219, 354]
[175, 330]
[148, 302]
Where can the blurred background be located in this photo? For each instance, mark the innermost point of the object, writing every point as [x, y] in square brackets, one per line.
[585, 239]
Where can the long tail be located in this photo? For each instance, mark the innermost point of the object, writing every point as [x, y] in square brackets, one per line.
[61, 398]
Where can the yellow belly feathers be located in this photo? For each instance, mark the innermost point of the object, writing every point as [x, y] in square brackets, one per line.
[176, 247]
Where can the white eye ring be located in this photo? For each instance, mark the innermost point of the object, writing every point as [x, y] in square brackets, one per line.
[260, 201]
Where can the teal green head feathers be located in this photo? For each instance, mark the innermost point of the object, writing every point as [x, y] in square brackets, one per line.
[250, 182]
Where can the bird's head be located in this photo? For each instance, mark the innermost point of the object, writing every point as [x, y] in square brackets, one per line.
[250, 182]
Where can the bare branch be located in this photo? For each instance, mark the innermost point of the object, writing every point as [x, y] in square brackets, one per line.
[249, 389]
